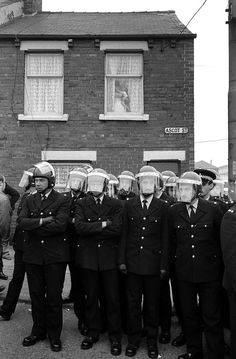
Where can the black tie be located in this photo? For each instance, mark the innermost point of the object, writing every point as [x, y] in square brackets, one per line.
[192, 213]
[43, 197]
[98, 201]
[145, 205]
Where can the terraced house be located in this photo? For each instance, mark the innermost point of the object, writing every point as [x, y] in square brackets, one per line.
[112, 89]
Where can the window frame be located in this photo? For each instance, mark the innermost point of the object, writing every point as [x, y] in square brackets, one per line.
[43, 116]
[136, 116]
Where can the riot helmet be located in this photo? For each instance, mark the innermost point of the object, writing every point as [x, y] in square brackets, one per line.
[126, 183]
[45, 170]
[27, 179]
[189, 187]
[171, 186]
[97, 182]
[77, 179]
[112, 186]
[148, 180]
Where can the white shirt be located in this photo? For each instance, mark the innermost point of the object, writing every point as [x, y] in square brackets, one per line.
[148, 199]
[195, 204]
[101, 199]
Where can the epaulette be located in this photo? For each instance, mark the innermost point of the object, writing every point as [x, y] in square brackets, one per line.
[230, 211]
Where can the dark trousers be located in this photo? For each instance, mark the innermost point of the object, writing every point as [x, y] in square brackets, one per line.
[208, 311]
[92, 282]
[45, 287]
[232, 306]
[176, 299]
[123, 301]
[77, 292]
[165, 306]
[15, 285]
[149, 287]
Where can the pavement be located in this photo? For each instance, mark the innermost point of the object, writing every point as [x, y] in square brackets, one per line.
[12, 332]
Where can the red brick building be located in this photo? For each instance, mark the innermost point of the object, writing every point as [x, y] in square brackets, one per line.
[111, 89]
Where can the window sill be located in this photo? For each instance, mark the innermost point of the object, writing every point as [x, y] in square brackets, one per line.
[127, 117]
[60, 118]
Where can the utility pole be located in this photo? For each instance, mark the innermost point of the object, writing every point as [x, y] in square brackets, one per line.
[232, 99]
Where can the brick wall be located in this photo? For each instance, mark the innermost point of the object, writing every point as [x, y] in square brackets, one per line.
[168, 99]
[32, 6]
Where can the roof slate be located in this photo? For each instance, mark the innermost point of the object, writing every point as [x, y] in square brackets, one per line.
[85, 24]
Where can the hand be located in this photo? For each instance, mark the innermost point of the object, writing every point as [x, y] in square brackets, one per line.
[47, 220]
[163, 274]
[109, 222]
[122, 268]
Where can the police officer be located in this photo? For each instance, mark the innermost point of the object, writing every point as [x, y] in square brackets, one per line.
[98, 222]
[113, 182]
[195, 227]
[77, 185]
[15, 285]
[44, 218]
[126, 185]
[144, 256]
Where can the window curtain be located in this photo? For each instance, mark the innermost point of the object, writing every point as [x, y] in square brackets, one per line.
[124, 92]
[44, 84]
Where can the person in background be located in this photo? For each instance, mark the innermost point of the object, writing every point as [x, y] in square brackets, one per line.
[5, 218]
[77, 185]
[126, 185]
[15, 285]
[13, 195]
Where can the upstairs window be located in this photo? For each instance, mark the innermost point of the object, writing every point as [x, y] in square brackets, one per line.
[123, 86]
[44, 84]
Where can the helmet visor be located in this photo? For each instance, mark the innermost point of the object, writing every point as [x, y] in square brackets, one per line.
[45, 168]
[96, 184]
[186, 192]
[148, 184]
[24, 181]
[76, 181]
[125, 184]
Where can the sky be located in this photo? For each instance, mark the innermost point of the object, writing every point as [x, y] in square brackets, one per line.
[211, 62]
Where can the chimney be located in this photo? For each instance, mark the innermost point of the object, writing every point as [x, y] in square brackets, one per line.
[32, 6]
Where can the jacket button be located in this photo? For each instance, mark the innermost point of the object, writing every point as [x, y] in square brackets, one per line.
[193, 246]
[99, 219]
[64, 239]
[77, 245]
[144, 218]
[155, 220]
[192, 236]
[192, 225]
[141, 247]
[89, 219]
[143, 228]
[193, 256]
[42, 242]
[142, 237]
[41, 213]
[99, 245]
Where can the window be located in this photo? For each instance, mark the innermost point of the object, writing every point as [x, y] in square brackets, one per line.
[44, 87]
[124, 86]
[62, 172]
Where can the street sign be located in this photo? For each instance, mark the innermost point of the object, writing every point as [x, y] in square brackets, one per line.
[176, 130]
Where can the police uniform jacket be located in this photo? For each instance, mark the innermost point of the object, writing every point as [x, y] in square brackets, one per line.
[19, 235]
[196, 242]
[47, 243]
[228, 243]
[97, 247]
[144, 246]
[71, 226]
